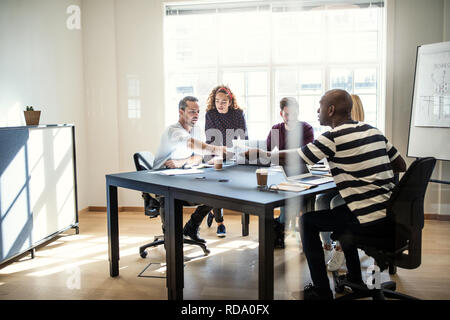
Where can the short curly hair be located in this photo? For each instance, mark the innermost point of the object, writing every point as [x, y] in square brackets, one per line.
[211, 103]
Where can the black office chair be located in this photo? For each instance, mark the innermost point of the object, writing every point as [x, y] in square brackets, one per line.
[154, 205]
[402, 244]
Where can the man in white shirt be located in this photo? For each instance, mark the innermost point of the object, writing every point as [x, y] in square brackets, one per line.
[182, 146]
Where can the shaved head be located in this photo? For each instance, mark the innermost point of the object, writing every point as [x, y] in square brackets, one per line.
[335, 107]
[341, 100]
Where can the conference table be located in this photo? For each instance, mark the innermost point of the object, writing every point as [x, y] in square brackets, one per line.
[234, 188]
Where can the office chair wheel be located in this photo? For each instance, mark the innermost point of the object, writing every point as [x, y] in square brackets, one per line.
[338, 288]
[392, 269]
[143, 254]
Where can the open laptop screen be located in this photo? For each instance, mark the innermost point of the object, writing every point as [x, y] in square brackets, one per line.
[295, 169]
[298, 171]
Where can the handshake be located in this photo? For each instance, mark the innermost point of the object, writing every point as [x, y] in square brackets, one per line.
[249, 156]
[257, 156]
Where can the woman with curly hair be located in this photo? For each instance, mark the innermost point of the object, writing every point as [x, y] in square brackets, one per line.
[224, 121]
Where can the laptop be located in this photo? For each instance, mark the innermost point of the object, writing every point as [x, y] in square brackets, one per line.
[299, 172]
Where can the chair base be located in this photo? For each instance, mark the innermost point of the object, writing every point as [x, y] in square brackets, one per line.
[386, 290]
[160, 240]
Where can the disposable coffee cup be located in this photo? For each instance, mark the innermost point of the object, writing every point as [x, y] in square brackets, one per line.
[218, 163]
[261, 177]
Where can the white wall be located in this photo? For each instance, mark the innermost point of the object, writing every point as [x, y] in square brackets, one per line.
[100, 60]
[139, 53]
[121, 38]
[413, 23]
[41, 65]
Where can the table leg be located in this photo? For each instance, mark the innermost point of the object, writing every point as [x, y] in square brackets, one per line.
[113, 230]
[174, 248]
[310, 204]
[245, 222]
[265, 272]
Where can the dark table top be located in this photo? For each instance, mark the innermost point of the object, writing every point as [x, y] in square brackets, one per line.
[240, 184]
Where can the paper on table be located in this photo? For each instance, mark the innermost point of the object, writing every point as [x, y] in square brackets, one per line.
[290, 186]
[322, 169]
[204, 165]
[172, 172]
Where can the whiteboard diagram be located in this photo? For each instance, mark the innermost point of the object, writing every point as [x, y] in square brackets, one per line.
[429, 128]
[433, 90]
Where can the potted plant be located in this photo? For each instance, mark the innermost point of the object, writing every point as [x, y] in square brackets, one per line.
[32, 116]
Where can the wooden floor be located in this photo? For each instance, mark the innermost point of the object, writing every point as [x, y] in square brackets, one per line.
[76, 266]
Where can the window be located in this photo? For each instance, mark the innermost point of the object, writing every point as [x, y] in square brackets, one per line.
[267, 50]
[251, 88]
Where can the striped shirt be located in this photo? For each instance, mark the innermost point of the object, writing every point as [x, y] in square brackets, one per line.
[360, 159]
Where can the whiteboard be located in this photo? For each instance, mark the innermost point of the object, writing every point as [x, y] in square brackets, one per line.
[429, 129]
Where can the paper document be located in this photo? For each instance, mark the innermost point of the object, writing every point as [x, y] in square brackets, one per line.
[172, 172]
[294, 187]
[322, 169]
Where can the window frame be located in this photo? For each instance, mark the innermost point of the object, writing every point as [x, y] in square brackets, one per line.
[271, 67]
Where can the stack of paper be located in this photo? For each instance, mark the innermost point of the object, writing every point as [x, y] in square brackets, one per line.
[291, 186]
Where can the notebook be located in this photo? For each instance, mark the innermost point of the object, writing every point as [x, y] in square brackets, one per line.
[299, 172]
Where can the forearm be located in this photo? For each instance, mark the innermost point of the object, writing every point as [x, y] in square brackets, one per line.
[203, 148]
[280, 157]
[398, 164]
[194, 160]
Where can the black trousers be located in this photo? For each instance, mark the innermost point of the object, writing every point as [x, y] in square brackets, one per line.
[338, 219]
[218, 214]
[200, 212]
[197, 217]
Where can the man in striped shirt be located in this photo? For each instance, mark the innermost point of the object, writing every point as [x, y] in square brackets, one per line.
[362, 164]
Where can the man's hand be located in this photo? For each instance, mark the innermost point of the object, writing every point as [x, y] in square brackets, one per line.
[220, 150]
[228, 155]
[173, 164]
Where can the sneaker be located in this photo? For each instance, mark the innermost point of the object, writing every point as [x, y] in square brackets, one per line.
[191, 230]
[346, 278]
[313, 293]
[209, 219]
[336, 261]
[221, 230]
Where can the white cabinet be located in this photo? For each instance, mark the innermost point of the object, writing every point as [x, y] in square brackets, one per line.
[38, 196]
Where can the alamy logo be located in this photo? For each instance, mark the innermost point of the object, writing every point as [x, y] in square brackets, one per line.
[74, 280]
[373, 280]
[73, 22]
